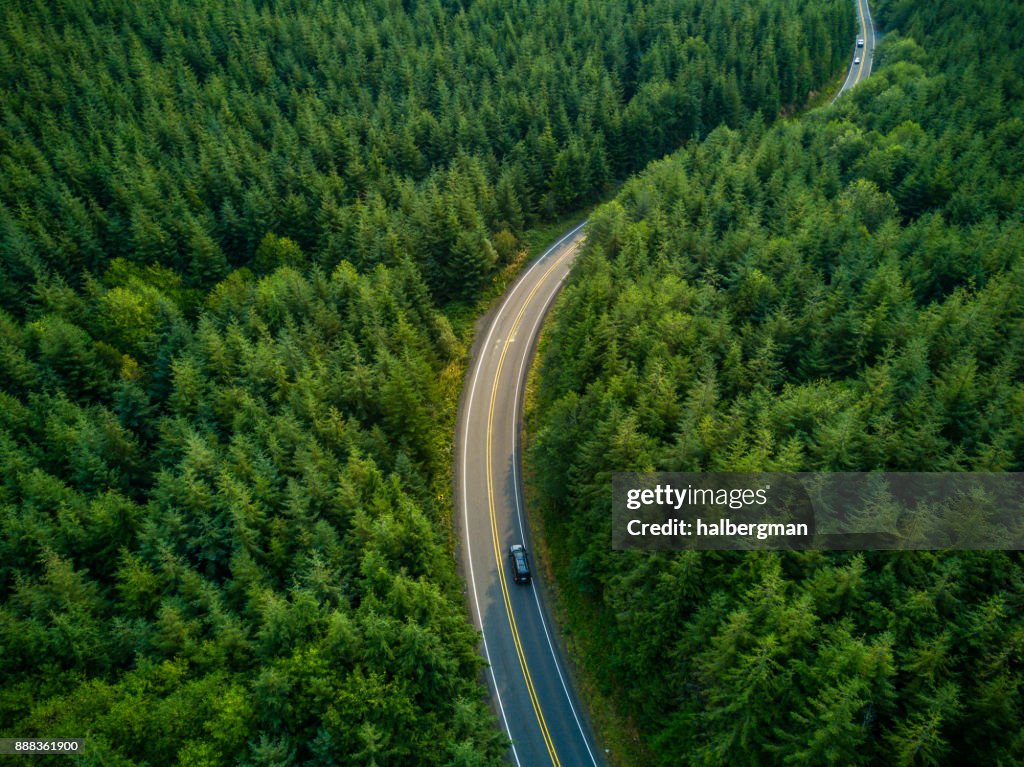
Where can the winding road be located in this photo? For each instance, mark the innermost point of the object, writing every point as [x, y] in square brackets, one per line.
[535, 700]
[530, 687]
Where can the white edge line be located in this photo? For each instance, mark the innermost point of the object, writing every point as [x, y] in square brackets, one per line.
[465, 504]
[869, 33]
[519, 512]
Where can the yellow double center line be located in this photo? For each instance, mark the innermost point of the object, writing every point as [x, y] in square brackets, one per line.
[494, 518]
[864, 29]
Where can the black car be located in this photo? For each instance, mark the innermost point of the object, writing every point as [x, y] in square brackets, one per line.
[520, 564]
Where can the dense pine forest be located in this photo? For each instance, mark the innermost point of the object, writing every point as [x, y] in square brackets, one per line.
[842, 291]
[182, 134]
[232, 240]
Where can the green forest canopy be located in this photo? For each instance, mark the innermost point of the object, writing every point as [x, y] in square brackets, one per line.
[182, 133]
[227, 234]
[843, 291]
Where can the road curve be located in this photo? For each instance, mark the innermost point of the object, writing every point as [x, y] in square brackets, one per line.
[866, 31]
[533, 694]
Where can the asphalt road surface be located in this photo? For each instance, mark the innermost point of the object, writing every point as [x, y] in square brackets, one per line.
[533, 695]
[861, 69]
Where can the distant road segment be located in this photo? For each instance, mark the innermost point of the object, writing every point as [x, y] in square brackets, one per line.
[860, 66]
